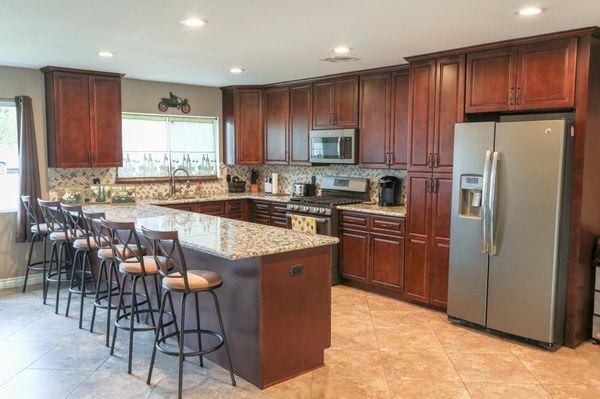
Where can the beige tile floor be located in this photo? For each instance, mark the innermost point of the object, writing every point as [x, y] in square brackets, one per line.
[381, 348]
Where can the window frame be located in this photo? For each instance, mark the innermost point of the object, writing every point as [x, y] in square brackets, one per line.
[14, 209]
[179, 177]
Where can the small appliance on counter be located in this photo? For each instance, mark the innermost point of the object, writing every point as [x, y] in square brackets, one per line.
[235, 185]
[268, 186]
[389, 191]
[304, 189]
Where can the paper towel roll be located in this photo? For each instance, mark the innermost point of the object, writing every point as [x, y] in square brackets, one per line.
[275, 180]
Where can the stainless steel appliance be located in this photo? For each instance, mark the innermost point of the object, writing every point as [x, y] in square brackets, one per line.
[509, 227]
[304, 189]
[333, 146]
[389, 191]
[334, 191]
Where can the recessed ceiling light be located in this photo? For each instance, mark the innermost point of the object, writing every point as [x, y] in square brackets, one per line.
[236, 70]
[105, 54]
[528, 11]
[193, 22]
[342, 49]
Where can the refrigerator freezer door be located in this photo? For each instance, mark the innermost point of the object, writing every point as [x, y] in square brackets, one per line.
[468, 273]
[524, 271]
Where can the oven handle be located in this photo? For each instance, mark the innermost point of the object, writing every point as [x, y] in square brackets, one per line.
[319, 220]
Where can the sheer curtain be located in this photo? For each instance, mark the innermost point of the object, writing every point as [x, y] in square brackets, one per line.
[29, 171]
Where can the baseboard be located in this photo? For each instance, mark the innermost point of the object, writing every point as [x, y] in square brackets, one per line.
[13, 282]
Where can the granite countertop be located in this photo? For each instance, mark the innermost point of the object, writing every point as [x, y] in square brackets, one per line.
[225, 238]
[219, 197]
[394, 211]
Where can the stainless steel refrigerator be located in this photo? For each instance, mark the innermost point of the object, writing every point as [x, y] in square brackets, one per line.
[509, 227]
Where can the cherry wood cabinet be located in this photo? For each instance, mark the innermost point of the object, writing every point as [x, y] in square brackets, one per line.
[383, 119]
[243, 125]
[335, 103]
[83, 115]
[371, 250]
[231, 209]
[436, 104]
[534, 76]
[276, 105]
[428, 238]
[300, 123]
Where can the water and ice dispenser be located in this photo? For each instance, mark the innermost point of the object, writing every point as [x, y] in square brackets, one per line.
[471, 189]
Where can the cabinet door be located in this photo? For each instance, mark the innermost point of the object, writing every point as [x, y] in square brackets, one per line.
[449, 108]
[323, 104]
[374, 124]
[399, 133]
[421, 113]
[491, 80]
[354, 253]
[546, 75]
[71, 122]
[105, 108]
[346, 103]
[248, 127]
[416, 267]
[276, 103]
[387, 261]
[440, 240]
[300, 121]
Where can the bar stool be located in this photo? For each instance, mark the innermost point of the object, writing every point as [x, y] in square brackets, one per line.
[60, 255]
[106, 269]
[39, 233]
[82, 272]
[133, 265]
[167, 253]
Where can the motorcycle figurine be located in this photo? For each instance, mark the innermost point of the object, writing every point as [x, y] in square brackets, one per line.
[174, 101]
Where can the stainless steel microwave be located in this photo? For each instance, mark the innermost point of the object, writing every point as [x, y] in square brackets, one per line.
[333, 146]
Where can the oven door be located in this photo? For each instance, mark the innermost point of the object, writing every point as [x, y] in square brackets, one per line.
[324, 224]
[333, 146]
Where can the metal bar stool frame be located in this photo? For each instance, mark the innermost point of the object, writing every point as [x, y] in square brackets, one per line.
[127, 248]
[60, 254]
[36, 233]
[168, 255]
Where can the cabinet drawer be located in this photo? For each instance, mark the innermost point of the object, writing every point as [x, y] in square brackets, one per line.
[236, 216]
[279, 222]
[210, 208]
[262, 219]
[387, 225]
[234, 206]
[261, 207]
[279, 210]
[354, 220]
[181, 207]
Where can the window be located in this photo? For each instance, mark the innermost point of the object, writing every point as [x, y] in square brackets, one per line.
[9, 157]
[154, 145]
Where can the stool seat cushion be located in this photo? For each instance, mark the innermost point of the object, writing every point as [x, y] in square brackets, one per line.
[132, 250]
[60, 235]
[132, 266]
[82, 243]
[197, 280]
[44, 228]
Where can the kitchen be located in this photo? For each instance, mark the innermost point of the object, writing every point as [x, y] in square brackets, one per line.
[415, 225]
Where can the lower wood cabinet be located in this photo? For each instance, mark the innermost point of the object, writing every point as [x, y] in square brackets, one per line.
[372, 250]
[269, 213]
[235, 209]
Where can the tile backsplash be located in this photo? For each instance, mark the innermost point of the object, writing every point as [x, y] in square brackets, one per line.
[60, 178]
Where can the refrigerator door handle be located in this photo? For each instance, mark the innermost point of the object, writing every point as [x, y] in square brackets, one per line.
[484, 202]
[492, 203]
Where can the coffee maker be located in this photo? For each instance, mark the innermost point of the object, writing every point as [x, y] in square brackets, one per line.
[389, 190]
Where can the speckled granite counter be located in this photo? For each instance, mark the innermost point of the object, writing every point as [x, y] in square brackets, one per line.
[225, 238]
[394, 211]
[219, 197]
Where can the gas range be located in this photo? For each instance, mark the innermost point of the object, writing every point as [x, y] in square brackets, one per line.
[320, 205]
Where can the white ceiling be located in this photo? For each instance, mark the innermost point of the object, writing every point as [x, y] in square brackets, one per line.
[274, 40]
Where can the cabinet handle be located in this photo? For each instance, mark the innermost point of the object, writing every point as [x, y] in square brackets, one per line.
[510, 96]
[434, 185]
[89, 156]
[436, 159]
[518, 95]
[334, 118]
[430, 161]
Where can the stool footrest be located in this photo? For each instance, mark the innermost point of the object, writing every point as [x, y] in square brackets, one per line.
[161, 340]
[139, 312]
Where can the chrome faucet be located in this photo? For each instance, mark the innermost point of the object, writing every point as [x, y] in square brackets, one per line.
[177, 169]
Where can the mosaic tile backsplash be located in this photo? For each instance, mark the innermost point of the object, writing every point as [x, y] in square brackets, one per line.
[60, 178]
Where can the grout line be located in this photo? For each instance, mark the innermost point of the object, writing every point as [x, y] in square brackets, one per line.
[385, 374]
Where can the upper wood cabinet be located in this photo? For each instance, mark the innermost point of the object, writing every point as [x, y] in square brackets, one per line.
[83, 114]
[526, 77]
[276, 105]
[436, 104]
[243, 125]
[383, 119]
[300, 122]
[335, 103]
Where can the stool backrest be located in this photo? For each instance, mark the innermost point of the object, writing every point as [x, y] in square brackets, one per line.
[31, 212]
[53, 216]
[94, 229]
[74, 217]
[168, 254]
[125, 243]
